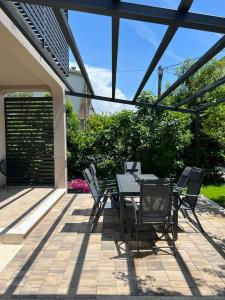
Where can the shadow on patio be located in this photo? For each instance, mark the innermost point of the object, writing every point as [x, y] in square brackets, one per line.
[62, 258]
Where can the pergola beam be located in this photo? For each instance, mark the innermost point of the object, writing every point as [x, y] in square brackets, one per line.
[215, 49]
[207, 105]
[129, 102]
[139, 12]
[115, 42]
[201, 92]
[61, 18]
[168, 36]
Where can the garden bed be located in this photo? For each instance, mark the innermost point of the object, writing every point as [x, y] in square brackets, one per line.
[78, 186]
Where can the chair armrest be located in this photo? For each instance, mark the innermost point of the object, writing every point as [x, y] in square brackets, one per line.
[110, 193]
[107, 181]
[190, 195]
[178, 188]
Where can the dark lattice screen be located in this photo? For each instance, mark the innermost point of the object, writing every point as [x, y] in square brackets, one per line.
[29, 141]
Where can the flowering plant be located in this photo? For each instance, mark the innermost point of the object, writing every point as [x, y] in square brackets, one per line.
[79, 184]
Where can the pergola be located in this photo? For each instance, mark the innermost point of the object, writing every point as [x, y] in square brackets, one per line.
[115, 9]
[174, 19]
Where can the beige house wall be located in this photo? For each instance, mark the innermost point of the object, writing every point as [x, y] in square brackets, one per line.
[22, 68]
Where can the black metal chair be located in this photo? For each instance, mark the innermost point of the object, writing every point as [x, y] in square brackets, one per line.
[132, 167]
[103, 184]
[100, 198]
[155, 207]
[188, 201]
[183, 180]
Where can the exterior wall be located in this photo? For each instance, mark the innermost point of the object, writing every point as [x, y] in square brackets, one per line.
[83, 107]
[77, 82]
[30, 72]
[2, 137]
[60, 151]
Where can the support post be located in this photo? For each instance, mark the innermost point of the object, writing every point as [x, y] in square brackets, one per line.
[60, 158]
[197, 137]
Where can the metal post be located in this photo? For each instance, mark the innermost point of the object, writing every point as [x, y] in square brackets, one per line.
[160, 76]
[197, 137]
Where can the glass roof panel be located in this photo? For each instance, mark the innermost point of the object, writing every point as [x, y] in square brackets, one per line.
[93, 37]
[137, 45]
[187, 43]
[215, 7]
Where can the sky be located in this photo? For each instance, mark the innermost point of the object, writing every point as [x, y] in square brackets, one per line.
[138, 42]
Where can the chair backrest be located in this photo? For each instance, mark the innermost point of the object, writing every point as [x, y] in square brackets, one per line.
[195, 181]
[156, 199]
[183, 180]
[132, 167]
[93, 172]
[90, 181]
[92, 169]
[194, 185]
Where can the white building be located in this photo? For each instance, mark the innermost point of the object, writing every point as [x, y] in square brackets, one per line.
[82, 106]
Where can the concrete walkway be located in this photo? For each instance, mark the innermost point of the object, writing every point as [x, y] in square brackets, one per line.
[61, 259]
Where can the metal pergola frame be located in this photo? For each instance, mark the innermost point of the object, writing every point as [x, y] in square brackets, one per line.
[174, 19]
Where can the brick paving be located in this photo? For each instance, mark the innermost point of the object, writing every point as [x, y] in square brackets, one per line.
[62, 259]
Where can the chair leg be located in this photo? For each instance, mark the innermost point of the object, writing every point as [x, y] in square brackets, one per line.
[199, 224]
[164, 231]
[137, 238]
[114, 206]
[183, 213]
[93, 210]
[132, 231]
[173, 239]
[99, 212]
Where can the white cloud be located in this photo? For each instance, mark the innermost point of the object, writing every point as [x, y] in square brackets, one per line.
[101, 80]
[218, 34]
[145, 32]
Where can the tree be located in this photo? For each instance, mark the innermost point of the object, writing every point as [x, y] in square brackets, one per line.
[156, 138]
[73, 132]
[164, 136]
[212, 119]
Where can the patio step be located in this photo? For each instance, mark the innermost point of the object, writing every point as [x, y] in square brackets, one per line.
[20, 231]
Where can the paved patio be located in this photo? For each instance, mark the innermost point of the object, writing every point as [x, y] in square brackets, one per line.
[18, 202]
[61, 259]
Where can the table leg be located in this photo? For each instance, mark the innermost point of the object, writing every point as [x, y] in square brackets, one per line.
[122, 225]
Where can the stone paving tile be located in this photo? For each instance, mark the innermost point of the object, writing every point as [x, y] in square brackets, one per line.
[62, 259]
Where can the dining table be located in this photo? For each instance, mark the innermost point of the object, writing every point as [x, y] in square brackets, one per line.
[129, 186]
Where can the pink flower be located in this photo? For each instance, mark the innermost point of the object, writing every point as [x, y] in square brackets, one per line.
[79, 184]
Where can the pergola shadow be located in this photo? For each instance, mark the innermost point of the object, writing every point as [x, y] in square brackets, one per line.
[126, 253]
